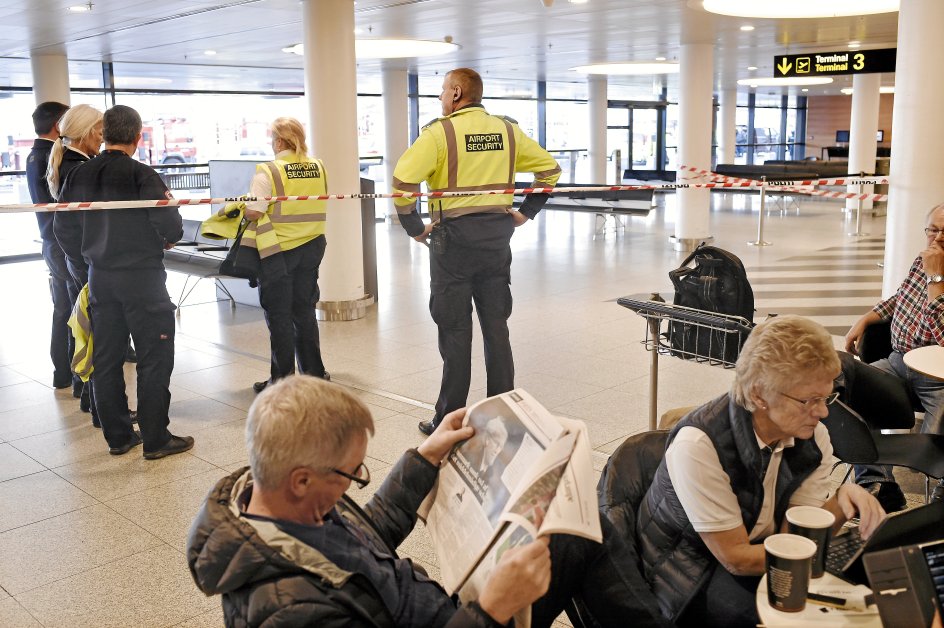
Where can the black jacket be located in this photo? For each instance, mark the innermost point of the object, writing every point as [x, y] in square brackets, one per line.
[127, 238]
[676, 562]
[268, 578]
[68, 225]
[36, 164]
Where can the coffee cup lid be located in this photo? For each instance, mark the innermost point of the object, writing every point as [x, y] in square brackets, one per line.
[810, 517]
[790, 546]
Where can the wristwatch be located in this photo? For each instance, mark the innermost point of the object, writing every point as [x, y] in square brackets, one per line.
[935, 279]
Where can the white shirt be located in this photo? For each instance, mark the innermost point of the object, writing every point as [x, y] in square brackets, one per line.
[704, 489]
[262, 186]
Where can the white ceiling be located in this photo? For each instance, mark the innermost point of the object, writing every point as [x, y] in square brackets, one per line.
[503, 39]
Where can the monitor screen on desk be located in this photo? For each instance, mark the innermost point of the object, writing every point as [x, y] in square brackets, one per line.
[842, 137]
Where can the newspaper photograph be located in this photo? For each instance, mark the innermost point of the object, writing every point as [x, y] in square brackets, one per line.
[524, 473]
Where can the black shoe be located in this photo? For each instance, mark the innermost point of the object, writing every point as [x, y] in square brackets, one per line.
[61, 381]
[78, 389]
[85, 401]
[258, 387]
[938, 493]
[888, 494]
[428, 427]
[176, 445]
[131, 355]
[134, 442]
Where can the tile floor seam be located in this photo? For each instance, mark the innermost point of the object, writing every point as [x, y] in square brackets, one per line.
[26, 610]
[154, 486]
[98, 566]
[26, 475]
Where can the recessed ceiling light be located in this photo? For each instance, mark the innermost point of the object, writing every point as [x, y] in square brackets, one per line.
[884, 89]
[578, 1]
[747, 28]
[390, 48]
[629, 68]
[660, 58]
[80, 8]
[805, 89]
[854, 44]
[209, 53]
[800, 8]
[358, 31]
[752, 67]
[790, 80]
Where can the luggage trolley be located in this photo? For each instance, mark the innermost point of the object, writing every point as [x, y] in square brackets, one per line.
[689, 334]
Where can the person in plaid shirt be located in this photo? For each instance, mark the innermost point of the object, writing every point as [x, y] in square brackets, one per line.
[916, 312]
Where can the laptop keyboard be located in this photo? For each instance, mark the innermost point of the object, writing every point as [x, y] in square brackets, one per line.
[841, 549]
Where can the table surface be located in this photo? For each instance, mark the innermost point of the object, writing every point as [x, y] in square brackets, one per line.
[927, 360]
[815, 614]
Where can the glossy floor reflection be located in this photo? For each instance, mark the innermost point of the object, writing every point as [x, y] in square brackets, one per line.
[88, 539]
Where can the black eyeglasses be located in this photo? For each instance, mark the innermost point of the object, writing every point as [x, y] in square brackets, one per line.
[361, 475]
[813, 401]
[933, 232]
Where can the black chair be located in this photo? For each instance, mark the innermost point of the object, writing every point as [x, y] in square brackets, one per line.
[875, 345]
[622, 487]
[854, 443]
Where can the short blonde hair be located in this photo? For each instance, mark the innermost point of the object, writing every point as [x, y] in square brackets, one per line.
[74, 126]
[779, 352]
[301, 421]
[290, 131]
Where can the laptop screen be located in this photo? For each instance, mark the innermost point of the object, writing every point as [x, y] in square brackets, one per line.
[934, 557]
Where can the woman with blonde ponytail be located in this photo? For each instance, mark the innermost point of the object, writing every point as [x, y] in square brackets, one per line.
[80, 139]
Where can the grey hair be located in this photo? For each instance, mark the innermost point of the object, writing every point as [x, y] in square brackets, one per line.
[122, 125]
[301, 421]
[778, 352]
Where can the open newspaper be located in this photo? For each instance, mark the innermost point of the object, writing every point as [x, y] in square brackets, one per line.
[526, 473]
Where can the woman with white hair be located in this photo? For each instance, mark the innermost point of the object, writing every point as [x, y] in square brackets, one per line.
[731, 469]
[80, 139]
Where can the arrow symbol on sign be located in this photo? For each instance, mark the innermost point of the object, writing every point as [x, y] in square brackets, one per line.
[784, 67]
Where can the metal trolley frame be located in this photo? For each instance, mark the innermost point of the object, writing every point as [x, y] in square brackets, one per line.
[711, 338]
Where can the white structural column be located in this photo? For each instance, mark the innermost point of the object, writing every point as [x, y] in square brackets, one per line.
[862, 130]
[598, 102]
[396, 128]
[917, 136]
[727, 126]
[695, 113]
[50, 78]
[331, 91]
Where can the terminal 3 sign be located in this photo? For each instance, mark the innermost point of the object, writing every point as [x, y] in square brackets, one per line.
[843, 62]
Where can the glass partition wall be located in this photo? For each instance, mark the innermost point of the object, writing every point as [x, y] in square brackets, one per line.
[193, 114]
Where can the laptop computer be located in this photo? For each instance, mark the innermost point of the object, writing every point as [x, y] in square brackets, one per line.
[915, 525]
[908, 583]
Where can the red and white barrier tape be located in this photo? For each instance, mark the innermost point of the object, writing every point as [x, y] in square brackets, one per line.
[791, 183]
[176, 202]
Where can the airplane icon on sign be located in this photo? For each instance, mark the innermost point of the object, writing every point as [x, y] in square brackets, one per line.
[803, 65]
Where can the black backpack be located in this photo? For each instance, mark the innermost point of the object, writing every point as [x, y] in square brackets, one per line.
[711, 280]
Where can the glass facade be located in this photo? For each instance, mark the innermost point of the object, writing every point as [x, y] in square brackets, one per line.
[193, 114]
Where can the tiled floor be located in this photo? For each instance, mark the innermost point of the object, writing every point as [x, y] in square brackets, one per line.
[87, 539]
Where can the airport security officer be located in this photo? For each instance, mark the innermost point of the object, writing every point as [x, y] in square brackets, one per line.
[289, 236]
[469, 236]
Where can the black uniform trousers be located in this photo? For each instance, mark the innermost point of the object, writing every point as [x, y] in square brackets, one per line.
[460, 276]
[135, 302]
[61, 343]
[288, 295]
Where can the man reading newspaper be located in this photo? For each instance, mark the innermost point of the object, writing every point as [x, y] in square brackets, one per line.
[283, 544]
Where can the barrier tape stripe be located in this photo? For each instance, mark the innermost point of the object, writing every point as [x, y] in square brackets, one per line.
[861, 197]
[96, 205]
[873, 180]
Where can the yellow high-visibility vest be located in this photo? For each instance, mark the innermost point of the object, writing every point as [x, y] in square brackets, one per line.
[471, 150]
[289, 224]
[82, 332]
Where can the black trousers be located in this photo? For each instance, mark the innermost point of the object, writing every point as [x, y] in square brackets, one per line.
[134, 302]
[727, 601]
[458, 278]
[288, 299]
[61, 344]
